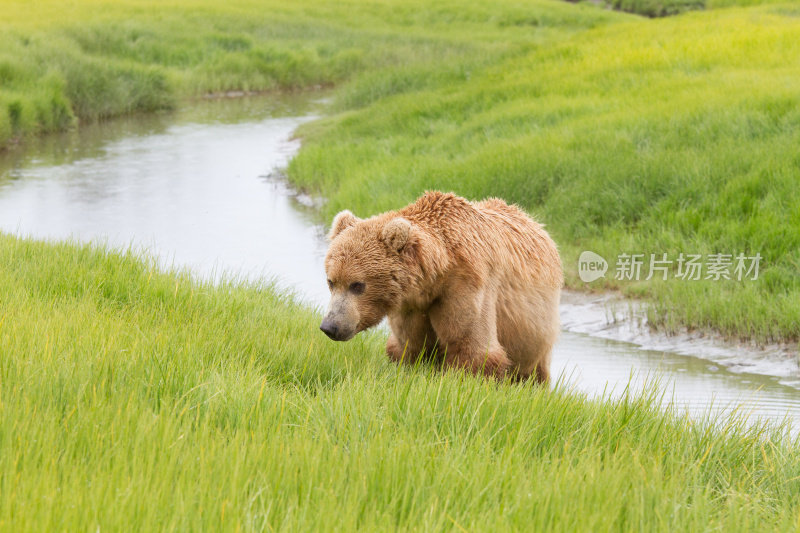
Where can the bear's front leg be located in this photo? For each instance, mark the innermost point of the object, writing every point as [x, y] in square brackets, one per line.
[412, 338]
[466, 326]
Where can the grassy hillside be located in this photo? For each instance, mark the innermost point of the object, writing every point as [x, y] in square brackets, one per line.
[137, 400]
[99, 58]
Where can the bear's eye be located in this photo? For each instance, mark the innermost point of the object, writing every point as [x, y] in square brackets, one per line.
[330, 284]
[357, 287]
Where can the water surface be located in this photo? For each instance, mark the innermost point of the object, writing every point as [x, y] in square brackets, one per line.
[201, 188]
[197, 188]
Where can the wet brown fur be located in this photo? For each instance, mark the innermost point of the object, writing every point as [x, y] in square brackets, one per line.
[471, 285]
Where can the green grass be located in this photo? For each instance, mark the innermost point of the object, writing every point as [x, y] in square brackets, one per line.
[136, 400]
[99, 58]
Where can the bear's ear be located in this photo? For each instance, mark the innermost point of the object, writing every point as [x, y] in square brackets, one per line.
[341, 222]
[395, 233]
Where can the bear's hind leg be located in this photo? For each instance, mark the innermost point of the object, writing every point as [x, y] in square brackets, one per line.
[528, 327]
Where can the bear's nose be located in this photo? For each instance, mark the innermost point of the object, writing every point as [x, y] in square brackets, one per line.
[329, 328]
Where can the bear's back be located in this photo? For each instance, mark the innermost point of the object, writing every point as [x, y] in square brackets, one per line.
[489, 232]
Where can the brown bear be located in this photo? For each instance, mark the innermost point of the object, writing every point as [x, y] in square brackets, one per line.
[469, 285]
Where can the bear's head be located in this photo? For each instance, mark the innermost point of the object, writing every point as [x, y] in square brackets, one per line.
[369, 264]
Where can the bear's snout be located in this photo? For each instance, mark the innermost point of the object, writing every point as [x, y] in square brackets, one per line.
[335, 330]
[341, 321]
[330, 329]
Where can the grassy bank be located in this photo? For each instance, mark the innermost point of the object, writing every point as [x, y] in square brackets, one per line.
[132, 399]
